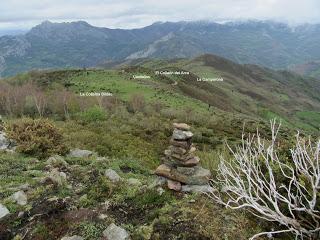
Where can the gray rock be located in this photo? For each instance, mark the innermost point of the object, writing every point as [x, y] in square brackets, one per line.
[113, 232]
[20, 198]
[181, 126]
[25, 187]
[112, 175]
[159, 181]
[134, 182]
[181, 135]
[200, 176]
[57, 161]
[80, 153]
[186, 170]
[3, 211]
[4, 142]
[55, 177]
[75, 237]
[20, 214]
[196, 188]
[173, 185]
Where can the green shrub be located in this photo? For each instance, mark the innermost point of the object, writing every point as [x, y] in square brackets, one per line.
[90, 230]
[92, 114]
[37, 137]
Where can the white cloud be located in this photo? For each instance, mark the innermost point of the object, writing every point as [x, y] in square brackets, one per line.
[129, 14]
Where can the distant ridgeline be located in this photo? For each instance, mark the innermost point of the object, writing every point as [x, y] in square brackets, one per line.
[78, 44]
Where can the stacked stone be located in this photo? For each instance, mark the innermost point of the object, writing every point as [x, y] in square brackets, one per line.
[180, 164]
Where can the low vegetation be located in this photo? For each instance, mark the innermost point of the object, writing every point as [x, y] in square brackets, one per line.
[259, 179]
[46, 115]
[38, 137]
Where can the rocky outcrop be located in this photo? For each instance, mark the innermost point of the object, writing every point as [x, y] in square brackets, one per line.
[180, 164]
[54, 177]
[3, 211]
[12, 47]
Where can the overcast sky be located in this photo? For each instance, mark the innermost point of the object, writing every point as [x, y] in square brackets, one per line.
[23, 14]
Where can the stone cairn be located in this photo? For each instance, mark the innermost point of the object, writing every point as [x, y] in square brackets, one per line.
[180, 165]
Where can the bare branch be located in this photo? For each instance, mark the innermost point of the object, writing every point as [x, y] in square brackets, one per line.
[252, 180]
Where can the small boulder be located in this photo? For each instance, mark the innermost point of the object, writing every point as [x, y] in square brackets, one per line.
[21, 214]
[197, 188]
[186, 170]
[182, 144]
[177, 150]
[190, 162]
[174, 185]
[25, 187]
[79, 153]
[113, 232]
[3, 211]
[200, 176]
[4, 142]
[75, 237]
[112, 175]
[182, 126]
[20, 198]
[181, 135]
[56, 161]
[159, 181]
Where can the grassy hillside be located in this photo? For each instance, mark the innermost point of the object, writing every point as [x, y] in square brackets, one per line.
[248, 89]
[129, 132]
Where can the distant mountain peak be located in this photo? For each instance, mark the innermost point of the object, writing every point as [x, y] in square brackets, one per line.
[48, 24]
[52, 45]
[82, 23]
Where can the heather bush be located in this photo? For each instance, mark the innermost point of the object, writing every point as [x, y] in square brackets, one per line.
[92, 114]
[37, 137]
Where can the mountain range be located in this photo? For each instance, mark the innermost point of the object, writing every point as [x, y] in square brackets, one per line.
[78, 44]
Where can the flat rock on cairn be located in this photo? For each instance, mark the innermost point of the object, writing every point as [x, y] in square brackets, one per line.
[180, 164]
